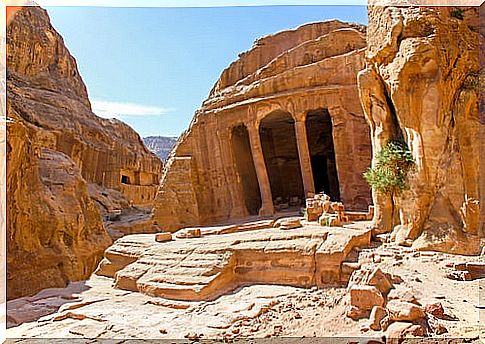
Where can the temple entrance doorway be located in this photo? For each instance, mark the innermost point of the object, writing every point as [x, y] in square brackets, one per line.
[322, 153]
[278, 141]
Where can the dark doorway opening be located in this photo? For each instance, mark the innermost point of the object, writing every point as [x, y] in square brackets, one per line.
[125, 179]
[241, 148]
[278, 140]
[322, 153]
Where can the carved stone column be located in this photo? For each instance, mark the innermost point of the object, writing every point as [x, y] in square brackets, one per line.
[261, 172]
[304, 154]
[238, 209]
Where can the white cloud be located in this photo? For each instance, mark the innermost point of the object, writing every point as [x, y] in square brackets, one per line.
[109, 109]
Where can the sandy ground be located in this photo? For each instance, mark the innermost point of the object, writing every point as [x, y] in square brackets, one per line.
[93, 309]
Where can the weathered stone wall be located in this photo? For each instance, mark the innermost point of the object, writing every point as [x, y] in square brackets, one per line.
[46, 90]
[297, 71]
[421, 86]
[481, 110]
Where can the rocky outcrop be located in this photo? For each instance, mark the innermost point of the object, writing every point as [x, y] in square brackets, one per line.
[54, 231]
[46, 90]
[421, 87]
[60, 157]
[160, 145]
[282, 122]
[93, 309]
[208, 267]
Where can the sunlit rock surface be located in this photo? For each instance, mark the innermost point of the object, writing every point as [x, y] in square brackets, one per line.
[421, 87]
[56, 148]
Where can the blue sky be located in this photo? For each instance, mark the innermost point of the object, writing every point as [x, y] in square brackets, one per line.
[153, 67]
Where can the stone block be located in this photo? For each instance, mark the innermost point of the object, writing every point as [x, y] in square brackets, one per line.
[365, 297]
[163, 237]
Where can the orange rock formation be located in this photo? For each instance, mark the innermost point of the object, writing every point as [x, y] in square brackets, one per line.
[56, 149]
[208, 267]
[421, 87]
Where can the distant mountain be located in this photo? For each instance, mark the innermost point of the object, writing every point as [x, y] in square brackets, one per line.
[160, 145]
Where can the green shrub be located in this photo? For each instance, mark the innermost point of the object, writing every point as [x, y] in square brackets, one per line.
[393, 163]
[457, 13]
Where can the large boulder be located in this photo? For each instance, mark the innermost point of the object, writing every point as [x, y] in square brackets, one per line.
[404, 311]
[376, 316]
[365, 297]
[372, 277]
[398, 331]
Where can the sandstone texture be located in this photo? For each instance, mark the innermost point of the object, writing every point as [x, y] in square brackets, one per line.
[65, 164]
[283, 122]
[282, 129]
[421, 87]
[195, 268]
[94, 309]
[376, 316]
[404, 311]
[46, 90]
[365, 297]
[54, 231]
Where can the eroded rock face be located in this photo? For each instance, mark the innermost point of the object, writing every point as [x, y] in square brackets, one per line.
[46, 90]
[59, 154]
[282, 122]
[420, 87]
[54, 232]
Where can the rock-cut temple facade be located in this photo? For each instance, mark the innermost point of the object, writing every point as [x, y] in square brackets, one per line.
[283, 121]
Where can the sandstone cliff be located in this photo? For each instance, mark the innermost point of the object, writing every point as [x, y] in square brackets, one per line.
[54, 231]
[45, 89]
[421, 87]
[59, 156]
[283, 121]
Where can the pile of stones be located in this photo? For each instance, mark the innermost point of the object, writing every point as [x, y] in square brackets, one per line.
[327, 213]
[392, 309]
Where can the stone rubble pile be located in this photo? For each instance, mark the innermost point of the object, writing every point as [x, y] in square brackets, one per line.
[392, 309]
[467, 271]
[332, 214]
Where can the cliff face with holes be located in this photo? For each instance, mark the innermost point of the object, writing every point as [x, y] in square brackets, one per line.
[283, 121]
[421, 87]
[58, 150]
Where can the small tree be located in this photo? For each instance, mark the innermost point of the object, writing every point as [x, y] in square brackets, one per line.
[389, 175]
